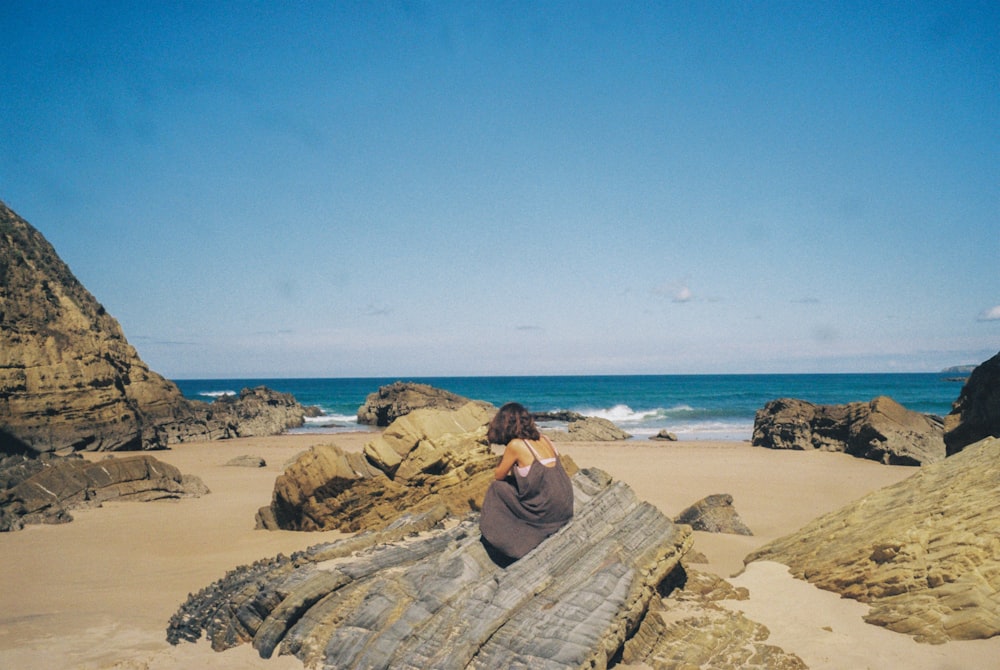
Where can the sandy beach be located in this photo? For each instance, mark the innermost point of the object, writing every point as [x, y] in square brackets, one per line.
[97, 592]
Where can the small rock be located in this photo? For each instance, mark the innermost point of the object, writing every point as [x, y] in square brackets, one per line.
[714, 514]
[247, 461]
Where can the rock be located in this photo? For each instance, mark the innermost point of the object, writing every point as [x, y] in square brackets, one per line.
[54, 485]
[69, 380]
[561, 415]
[258, 411]
[689, 629]
[398, 399]
[423, 459]
[665, 435]
[437, 600]
[881, 430]
[976, 413]
[923, 553]
[589, 429]
[247, 461]
[714, 514]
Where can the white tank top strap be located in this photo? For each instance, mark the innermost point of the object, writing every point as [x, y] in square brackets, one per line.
[532, 450]
[543, 461]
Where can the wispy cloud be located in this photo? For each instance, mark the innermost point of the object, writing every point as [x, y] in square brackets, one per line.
[528, 328]
[676, 291]
[148, 339]
[808, 300]
[991, 314]
[272, 333]
[378, 310]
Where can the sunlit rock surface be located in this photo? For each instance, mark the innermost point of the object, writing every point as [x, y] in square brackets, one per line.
[924, 553]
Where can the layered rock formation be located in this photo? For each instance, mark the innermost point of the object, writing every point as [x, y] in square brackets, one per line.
[44, 490]
[881, 430]
[437, 600]
[423, 459]
[690, 629]
[924, 553]
[69, 380]
[714, 514]
[390, 402]
[976, 413]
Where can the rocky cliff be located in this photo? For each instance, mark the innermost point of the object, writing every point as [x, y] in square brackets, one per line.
[976, 413]
[70, 381]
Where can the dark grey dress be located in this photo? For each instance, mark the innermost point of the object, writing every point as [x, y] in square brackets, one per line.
[521, 511]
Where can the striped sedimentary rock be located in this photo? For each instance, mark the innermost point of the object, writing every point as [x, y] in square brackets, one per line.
[924, 553]
[422, 594]
[44, 490]
[691, 629]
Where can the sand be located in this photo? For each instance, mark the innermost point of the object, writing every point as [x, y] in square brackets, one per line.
[98, 592]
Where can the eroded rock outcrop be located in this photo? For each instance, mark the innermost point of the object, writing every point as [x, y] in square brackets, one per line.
[425, 458]
[976, 413]
[924, 553]
[392, 401]
[714, 514]
[690, 629]
[437, 600]
[44, 490]
[588, 429]
[69, 380]
[880, 430]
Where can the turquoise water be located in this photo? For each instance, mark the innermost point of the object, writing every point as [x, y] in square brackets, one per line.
[692, 406]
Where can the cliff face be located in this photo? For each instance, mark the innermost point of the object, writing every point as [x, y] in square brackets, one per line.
[69, 380]
[976, 413]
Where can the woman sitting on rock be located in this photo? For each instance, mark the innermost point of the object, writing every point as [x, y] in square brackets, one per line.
[532, 496]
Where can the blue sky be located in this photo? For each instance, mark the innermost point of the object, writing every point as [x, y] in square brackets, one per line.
[404, 189]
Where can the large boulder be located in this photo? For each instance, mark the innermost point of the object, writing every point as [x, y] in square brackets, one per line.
[70, 381]
[424, 459]
[881, 430]
[390, 599]
[976, 413]
[923, 553]
[392, 401]
[44, 490]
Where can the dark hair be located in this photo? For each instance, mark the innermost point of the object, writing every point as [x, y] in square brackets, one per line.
[513, 421]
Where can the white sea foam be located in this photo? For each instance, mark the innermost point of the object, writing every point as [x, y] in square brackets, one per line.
[626, 415]
[698, 430]
[216, 394]
[328, 419]
[620, 414]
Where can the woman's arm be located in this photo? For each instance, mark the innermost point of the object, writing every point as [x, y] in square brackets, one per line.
[510, 458]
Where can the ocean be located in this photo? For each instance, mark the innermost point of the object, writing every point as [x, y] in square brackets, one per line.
[693, 407]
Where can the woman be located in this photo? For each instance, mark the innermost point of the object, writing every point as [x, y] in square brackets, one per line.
[532, 496]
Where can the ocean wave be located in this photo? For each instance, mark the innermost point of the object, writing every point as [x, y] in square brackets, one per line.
[626, 415]
[216, 394]
[328, 419]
